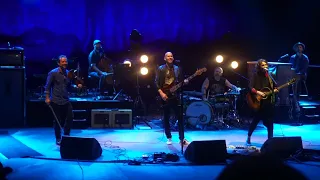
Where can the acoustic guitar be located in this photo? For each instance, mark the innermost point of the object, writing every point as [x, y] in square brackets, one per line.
[254, 100]
[169, 90]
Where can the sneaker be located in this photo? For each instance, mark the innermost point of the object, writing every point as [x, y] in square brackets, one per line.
[184, 142]
[169, 142]
[58, 142]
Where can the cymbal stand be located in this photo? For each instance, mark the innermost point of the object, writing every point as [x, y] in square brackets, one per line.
[234, 112]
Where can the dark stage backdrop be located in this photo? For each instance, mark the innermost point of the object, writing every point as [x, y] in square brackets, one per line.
[195, 31]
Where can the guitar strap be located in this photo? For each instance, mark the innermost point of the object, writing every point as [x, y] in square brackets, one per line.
[271, 85]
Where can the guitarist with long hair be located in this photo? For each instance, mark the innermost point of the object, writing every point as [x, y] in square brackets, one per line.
[259, 80]
[167, 75]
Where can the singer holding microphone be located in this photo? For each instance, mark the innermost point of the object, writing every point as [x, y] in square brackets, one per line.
[260, 79]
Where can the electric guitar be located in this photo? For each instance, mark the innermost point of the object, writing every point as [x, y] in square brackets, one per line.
[170, 89]
[254, 100]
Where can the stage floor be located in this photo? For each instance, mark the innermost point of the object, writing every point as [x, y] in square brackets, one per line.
[132, 144]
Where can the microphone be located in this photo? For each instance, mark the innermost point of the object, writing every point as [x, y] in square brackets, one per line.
[266, 69]
[281, 57]
[286, 55]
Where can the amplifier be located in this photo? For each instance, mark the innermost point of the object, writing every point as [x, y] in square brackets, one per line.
[101, 118]
[11, 57]
[122, 118]
[111, 118]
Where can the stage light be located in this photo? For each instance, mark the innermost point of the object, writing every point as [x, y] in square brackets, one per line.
[127, 62]
[234, 64]
[144, 58]
[144, 71]
[219, 59]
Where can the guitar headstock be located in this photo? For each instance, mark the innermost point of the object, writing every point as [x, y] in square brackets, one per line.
[200, 71]
[292, 81]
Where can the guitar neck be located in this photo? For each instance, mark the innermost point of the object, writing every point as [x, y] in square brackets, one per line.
[280, 87]
[174, 88]
[283, 86]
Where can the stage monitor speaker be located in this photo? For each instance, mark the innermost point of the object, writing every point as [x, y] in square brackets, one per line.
[12, 97]
[80, 148]
[206, 152]
[282, 147]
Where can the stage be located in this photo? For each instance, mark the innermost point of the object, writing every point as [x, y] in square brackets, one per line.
[32, 153]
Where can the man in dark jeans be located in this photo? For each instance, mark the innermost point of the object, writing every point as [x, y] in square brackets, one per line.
[57, 85]
[169, 74]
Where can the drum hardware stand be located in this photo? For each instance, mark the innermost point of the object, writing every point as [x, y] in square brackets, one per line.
[138, 103]
[234, 112]
[41, 92]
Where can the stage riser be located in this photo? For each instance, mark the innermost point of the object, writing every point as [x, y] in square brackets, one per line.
[39, 115]
[282, 115]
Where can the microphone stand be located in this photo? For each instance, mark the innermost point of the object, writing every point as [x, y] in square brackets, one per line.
[181, 123]
[243, 77]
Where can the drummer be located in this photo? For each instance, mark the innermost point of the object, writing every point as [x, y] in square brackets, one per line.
[216, 84]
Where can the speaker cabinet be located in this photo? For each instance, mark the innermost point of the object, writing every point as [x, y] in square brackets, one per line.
[12, 57]
[12, 97]
[282, 147]
[80, 148]
[206, 152]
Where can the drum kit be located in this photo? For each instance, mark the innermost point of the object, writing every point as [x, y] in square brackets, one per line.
[217, 112]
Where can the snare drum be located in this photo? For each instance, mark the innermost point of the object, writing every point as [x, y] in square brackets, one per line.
[199, 112]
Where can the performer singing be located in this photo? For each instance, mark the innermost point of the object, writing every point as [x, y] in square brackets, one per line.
[57, 85]
[166, 75]
[216, 84]
[100, 67]
[259, 80]
[300, 63]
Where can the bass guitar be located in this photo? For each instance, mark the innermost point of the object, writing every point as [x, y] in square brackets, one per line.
[169, 90]
[254, 100]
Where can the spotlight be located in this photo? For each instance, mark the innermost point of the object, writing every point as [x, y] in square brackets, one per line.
[234, 64]
[127, 62]
[144, 71]
[219, 59]
[144, 58]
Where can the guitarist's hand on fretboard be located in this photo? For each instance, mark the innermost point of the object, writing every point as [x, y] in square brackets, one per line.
[261, 93]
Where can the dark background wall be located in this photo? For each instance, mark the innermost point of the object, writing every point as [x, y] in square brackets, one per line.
[195, 31]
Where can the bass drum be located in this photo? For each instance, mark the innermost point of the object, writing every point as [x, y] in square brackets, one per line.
[199, 112]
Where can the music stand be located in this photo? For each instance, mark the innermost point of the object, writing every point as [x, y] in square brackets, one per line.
[119, 71]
